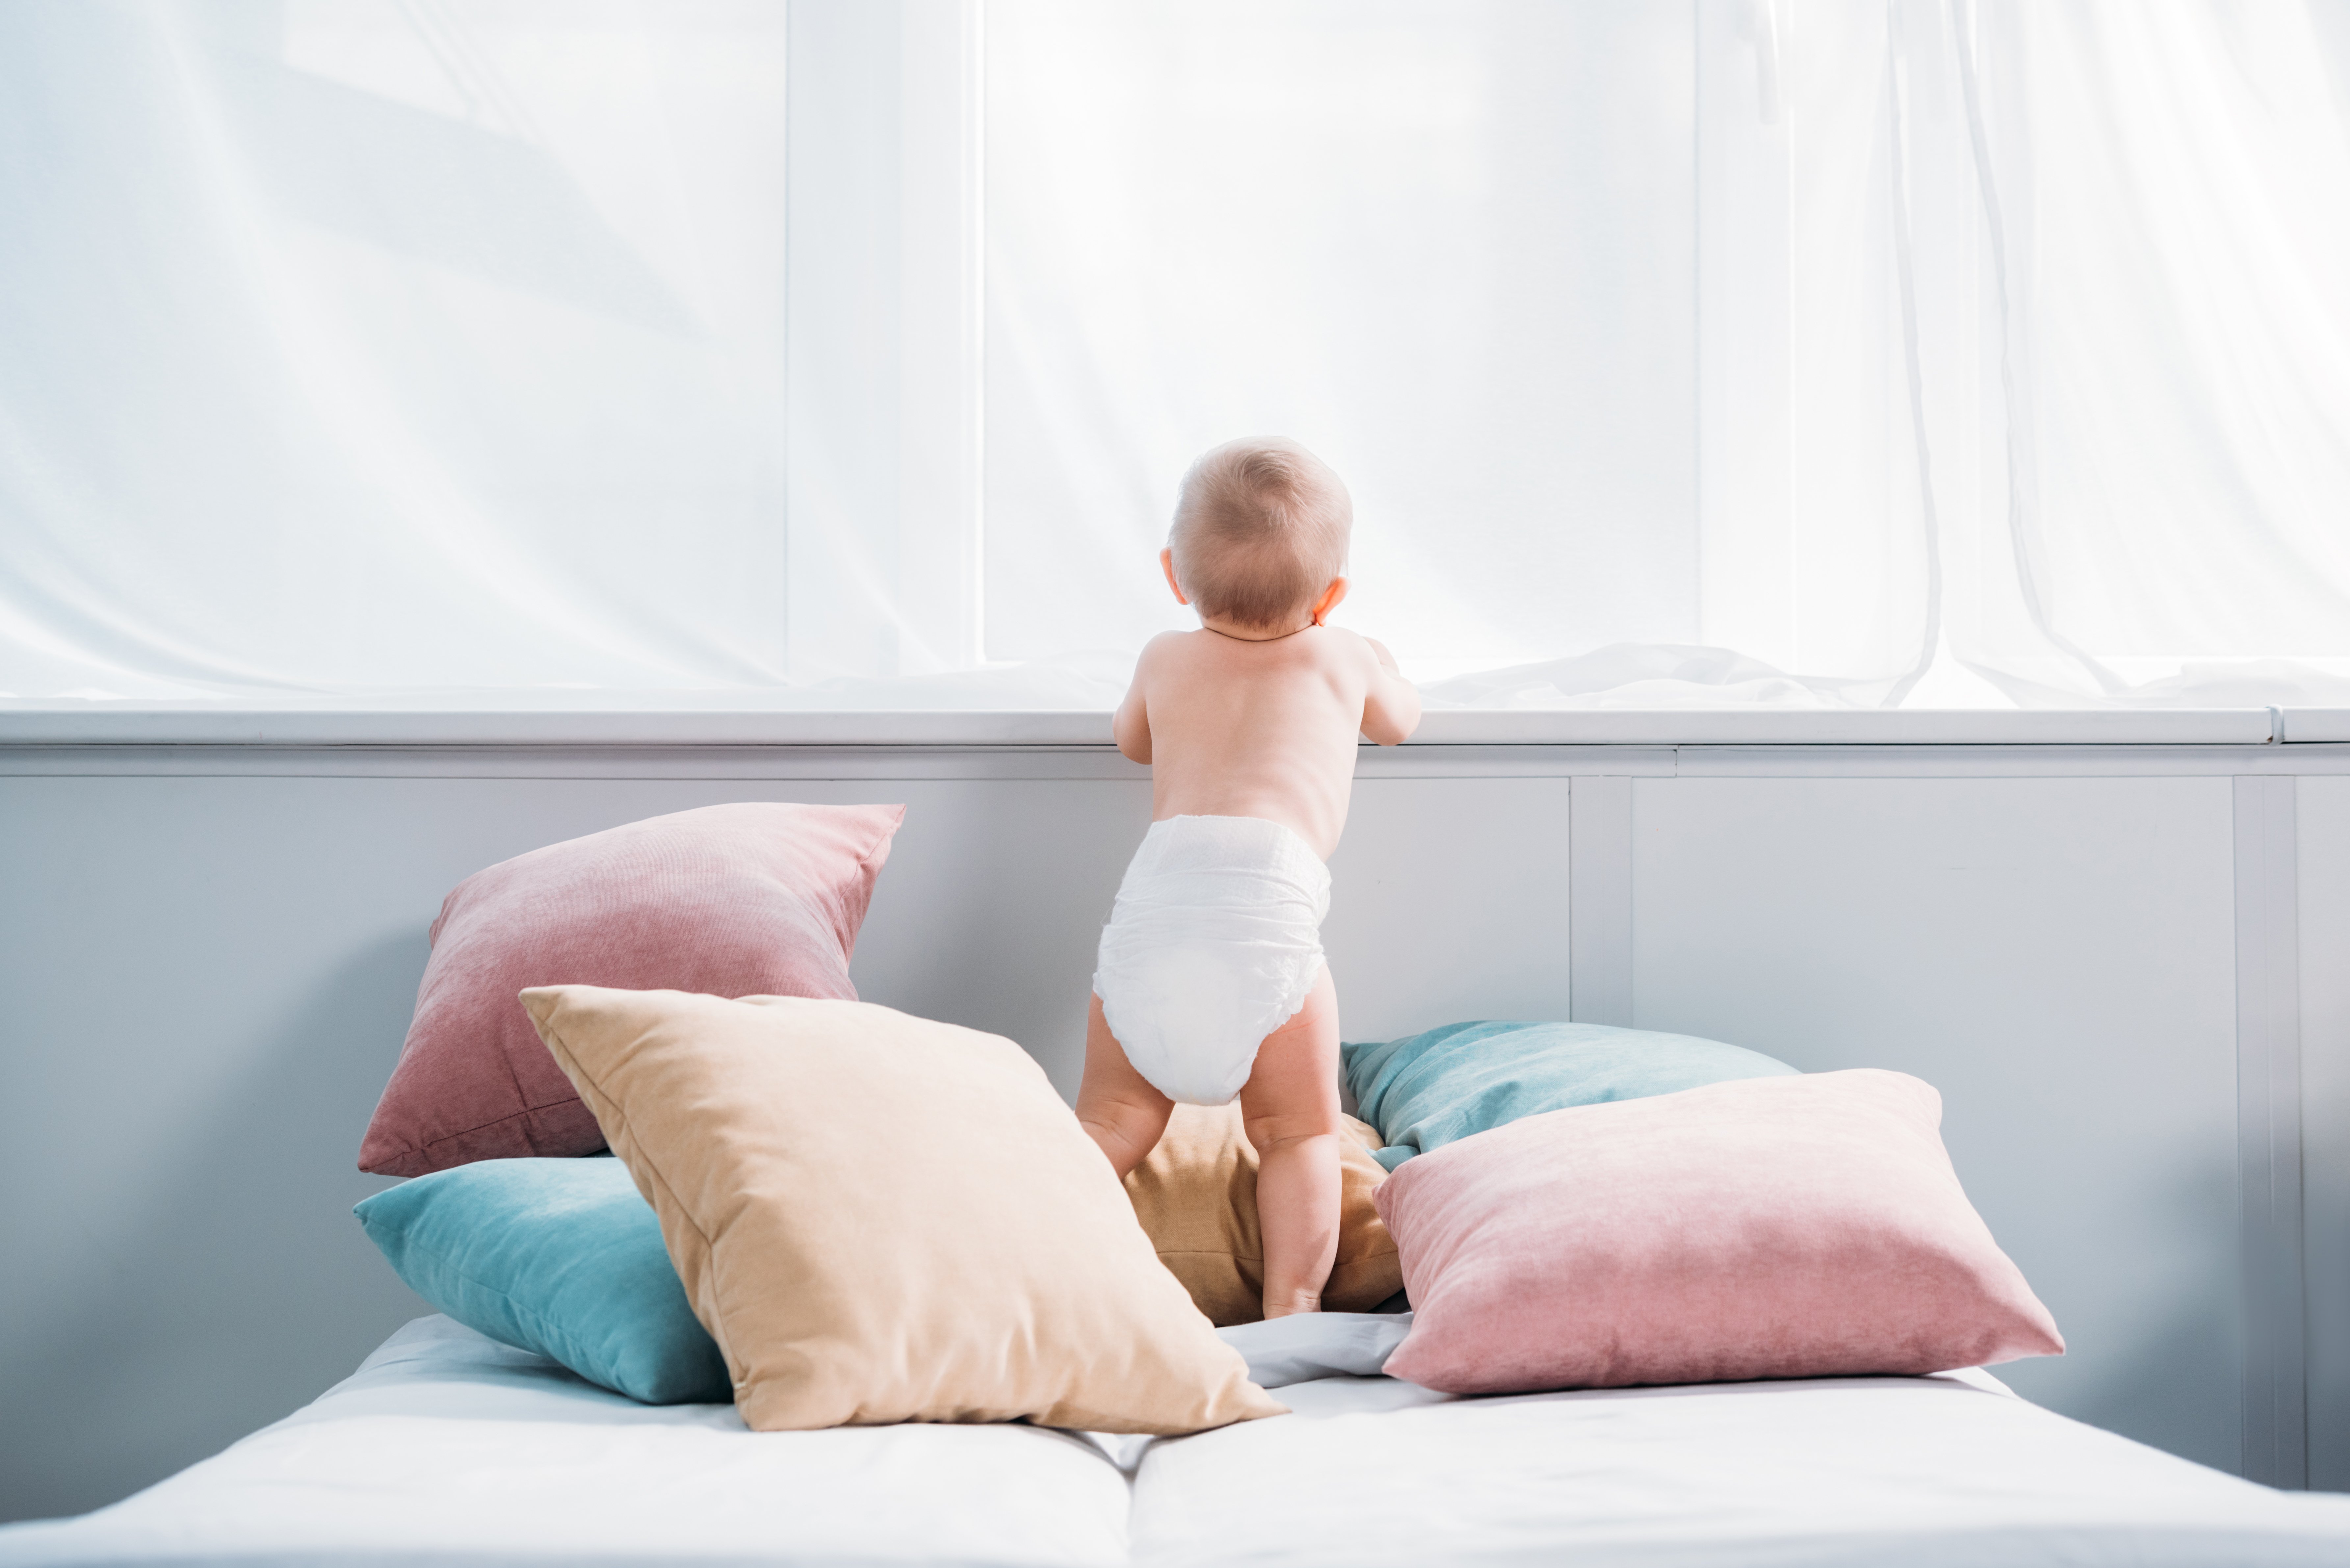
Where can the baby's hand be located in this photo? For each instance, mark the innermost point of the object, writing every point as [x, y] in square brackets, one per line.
[1391, 706]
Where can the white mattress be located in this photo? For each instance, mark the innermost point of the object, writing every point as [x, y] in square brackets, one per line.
[446, 1447]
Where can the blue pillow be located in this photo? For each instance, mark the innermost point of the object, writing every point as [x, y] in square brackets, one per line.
[1432, 1089]
[558, 1256]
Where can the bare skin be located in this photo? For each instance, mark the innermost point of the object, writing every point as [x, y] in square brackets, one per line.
[1241, 721]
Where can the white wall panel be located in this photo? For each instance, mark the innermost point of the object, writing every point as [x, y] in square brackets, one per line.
[1449, 902]
[2056, 955]
[2325, 845]
[2268, 1149]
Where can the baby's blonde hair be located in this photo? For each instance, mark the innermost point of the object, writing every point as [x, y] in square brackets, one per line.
[1259, 530]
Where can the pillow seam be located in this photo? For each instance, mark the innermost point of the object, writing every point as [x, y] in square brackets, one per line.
[1259, 1258]
[420, 1145]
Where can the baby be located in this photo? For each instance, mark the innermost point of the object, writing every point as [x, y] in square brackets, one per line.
[1211, 981]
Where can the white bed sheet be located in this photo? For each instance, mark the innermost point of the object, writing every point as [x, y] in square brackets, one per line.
[445, 1447]
[448, 1448]
[1951, 1471]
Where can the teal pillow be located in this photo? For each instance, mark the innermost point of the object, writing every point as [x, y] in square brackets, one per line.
[1432, 1089]
[558, 1256]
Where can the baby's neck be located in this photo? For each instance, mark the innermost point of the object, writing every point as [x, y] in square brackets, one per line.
[1253, 633]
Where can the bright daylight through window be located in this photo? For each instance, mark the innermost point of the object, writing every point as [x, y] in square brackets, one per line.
[846, 354]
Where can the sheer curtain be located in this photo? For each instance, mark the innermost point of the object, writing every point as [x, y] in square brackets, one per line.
[2050, 297]
[1449, 248]
[2162, 203]
[847, 352]
[347, 346]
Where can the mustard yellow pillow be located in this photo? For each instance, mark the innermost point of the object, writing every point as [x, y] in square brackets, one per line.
[1196, 1197]
[882, 1218]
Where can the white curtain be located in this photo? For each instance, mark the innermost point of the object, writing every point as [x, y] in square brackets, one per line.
[347, 346]
[2062, 345]
[2160, 193]
[1449, 247]
[847, 352]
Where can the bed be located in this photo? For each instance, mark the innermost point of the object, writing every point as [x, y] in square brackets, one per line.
[447, 1448]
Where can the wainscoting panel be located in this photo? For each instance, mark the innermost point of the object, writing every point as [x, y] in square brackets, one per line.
[2056, 955]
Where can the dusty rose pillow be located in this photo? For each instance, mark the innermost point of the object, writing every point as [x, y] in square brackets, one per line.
[730, 901]
[1798, 1227]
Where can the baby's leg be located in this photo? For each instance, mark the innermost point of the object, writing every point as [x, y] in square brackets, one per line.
[1290, 1105]
[1119, 1108]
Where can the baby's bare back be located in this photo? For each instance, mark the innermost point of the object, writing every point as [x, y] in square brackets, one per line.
[1268, 729]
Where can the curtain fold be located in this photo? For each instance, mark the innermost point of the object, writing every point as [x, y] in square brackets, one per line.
[2159, 504]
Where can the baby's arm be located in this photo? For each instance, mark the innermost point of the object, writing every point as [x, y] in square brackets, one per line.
[1390, 704]
[1130, 726]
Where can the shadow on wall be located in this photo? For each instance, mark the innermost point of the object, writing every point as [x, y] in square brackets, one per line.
[2169, 1384]
[2158, 1356]
[250, 1244]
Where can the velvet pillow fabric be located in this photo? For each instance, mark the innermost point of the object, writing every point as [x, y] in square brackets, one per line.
[883, 1219]
[733, 900]
[562, 1257]
[1427, 1090]
[1196, 1197]
[1783, 1227]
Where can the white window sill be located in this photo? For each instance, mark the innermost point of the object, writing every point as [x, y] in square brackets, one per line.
[62, 723]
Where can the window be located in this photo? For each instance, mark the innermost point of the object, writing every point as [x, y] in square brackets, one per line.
[849, 351]
[1447, 246]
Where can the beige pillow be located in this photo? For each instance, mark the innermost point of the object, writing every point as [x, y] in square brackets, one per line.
[882, 1218]
[1196, 1197]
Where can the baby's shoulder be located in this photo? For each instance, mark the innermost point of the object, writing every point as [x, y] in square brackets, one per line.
[1171, 657]
[1169, 647]
[1347, 649]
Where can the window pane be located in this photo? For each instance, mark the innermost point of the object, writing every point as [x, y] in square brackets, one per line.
[1448, 246]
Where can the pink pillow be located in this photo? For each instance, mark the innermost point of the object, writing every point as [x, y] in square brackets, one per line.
[754, 899]
[1799, 1227]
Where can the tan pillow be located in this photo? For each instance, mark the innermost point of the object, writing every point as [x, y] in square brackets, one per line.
[882, 1218]
[1196, 1196]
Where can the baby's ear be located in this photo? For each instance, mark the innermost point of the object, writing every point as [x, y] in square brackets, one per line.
[1167, 565]
[1331, 598]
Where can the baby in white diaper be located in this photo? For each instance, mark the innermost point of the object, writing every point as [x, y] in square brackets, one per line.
[1211, 982]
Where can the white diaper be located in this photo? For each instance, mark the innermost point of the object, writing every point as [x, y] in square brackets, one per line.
[1214, 942]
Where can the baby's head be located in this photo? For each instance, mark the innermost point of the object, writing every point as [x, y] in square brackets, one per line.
[1260, 536]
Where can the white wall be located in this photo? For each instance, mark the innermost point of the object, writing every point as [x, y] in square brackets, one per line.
[2325, 953]
[209, 956]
